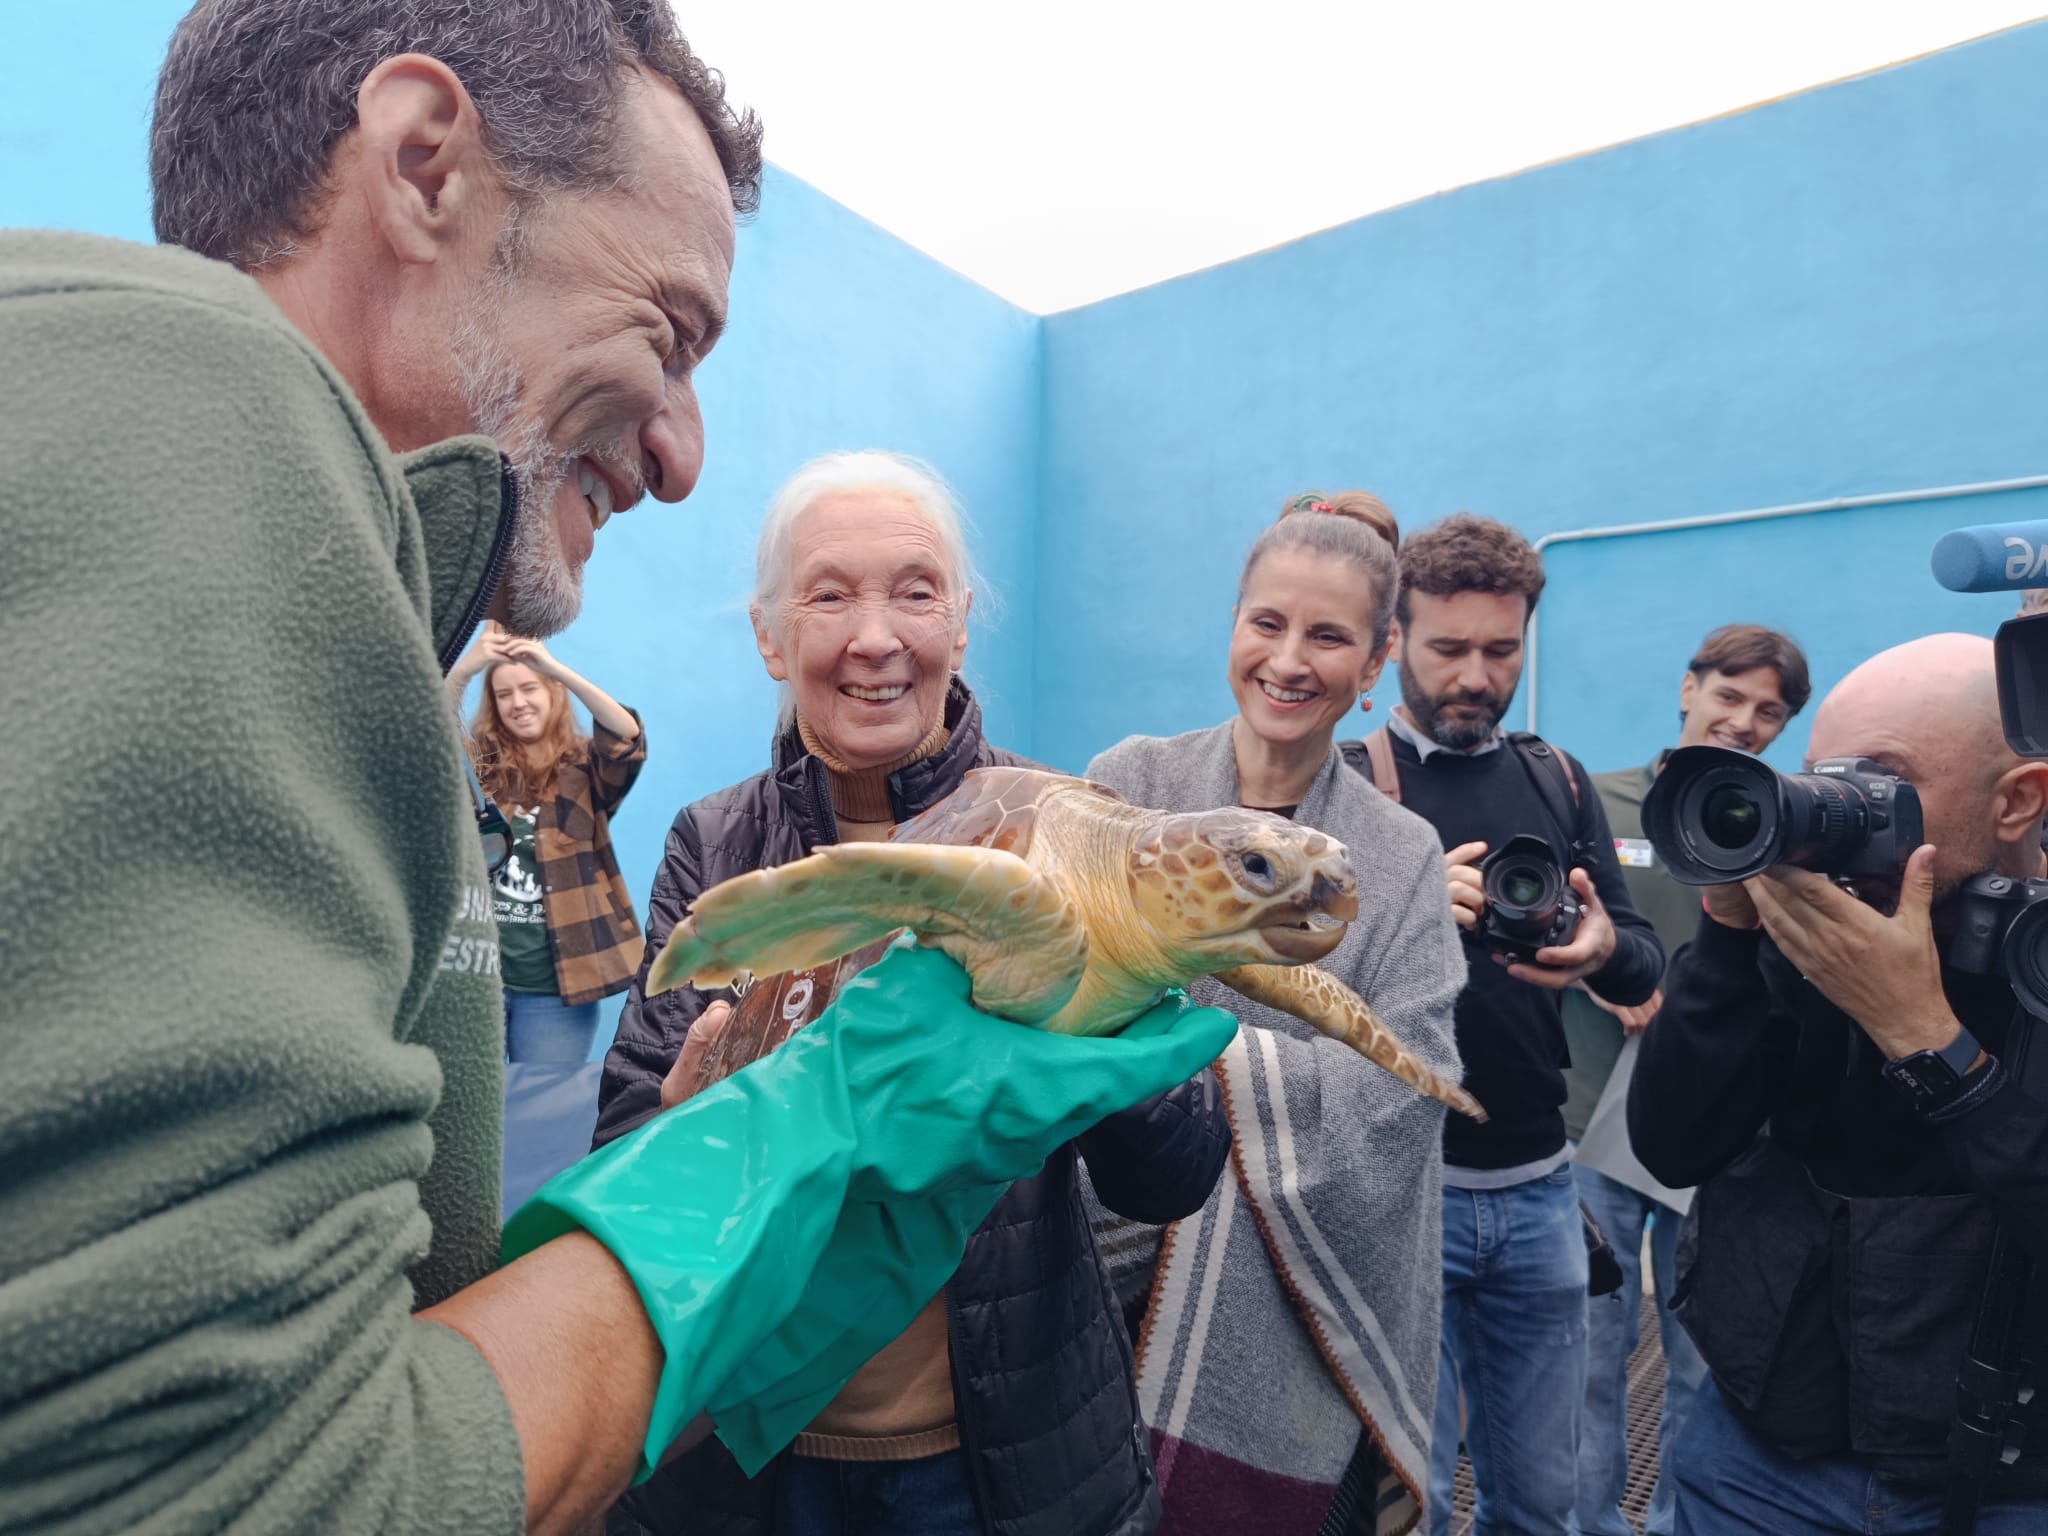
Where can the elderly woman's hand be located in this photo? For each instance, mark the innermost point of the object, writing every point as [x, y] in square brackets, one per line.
[686, 1078]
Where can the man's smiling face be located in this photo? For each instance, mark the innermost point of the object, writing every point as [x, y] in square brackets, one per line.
[1743, 710]
[576, 349]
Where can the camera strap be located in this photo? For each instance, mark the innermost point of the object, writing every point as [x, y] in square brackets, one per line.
[1544, 764]
[1554, 780]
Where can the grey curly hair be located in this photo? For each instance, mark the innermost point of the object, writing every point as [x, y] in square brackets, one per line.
[255, 94]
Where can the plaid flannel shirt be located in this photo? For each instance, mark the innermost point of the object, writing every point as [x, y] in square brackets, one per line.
[592, 929]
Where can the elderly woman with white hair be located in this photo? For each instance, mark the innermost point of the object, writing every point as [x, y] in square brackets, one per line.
[1009, 1404]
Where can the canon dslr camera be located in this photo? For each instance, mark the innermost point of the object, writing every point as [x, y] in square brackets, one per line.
[2002, 930]
[1716, 816]
[1530, 904]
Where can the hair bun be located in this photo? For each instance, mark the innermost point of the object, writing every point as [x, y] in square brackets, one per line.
[1359, 506]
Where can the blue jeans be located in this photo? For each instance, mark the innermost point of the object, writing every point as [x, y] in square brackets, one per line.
[1611, 1332]
[1514, 1337]
[927, 1497]
[1730, 1483]
[539, 1026]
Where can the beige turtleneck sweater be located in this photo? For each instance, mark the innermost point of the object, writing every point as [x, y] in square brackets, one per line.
[900, 1406]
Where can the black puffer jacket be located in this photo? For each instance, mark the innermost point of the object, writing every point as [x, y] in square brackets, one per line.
[1042, 1375]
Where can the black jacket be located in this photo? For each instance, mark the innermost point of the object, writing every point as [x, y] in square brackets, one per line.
[1511, 1034]
[1042, 1377]
[1833, 1264]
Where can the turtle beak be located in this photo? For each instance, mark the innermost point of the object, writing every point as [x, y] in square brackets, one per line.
[1299, 943]
[1336, 898]
[1324, 914]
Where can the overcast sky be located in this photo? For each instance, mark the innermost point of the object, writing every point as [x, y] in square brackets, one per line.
[1065, 150]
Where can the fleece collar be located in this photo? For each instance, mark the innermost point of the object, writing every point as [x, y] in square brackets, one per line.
[468, 503]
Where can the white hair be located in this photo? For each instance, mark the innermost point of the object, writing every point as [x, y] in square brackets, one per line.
[865, 470]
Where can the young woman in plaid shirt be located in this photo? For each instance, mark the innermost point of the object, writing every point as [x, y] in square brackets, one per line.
[567, 934]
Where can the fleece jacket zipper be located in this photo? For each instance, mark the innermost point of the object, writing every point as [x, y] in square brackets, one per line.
[494, 568]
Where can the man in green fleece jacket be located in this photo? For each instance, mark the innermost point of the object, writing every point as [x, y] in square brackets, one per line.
[250, 1135]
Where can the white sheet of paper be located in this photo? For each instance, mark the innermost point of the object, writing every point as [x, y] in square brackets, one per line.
[1605, 1146]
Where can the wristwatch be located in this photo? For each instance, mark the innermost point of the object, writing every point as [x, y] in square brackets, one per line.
[1933, 1080]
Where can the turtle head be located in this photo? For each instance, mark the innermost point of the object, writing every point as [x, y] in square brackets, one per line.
[1238, 887]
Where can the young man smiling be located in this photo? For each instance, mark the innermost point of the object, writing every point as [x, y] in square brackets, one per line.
[1740, 690]
[1515, 1270]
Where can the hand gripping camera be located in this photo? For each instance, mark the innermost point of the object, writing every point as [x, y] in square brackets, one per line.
[1716, 816]
[1530, 904]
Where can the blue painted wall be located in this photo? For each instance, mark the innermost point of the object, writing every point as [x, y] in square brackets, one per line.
[76, 85]
[841, 336]
[1839, 293]
[1835, 294]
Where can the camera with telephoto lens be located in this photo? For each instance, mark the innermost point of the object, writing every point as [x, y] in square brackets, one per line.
[1716, 816]
[1530, 903]
[2002, 930]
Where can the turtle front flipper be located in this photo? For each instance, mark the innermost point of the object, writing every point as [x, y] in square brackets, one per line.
[1010, 927]
[1319, 999]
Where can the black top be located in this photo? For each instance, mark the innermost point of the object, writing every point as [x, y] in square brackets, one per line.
[1042, 1379]
[1511, 1034]
[1744, 1040]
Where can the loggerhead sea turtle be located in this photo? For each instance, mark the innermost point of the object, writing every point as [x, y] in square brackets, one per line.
[1070, 909]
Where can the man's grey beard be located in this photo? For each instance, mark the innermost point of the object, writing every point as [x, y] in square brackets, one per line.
[544, 593]
[1445, 733]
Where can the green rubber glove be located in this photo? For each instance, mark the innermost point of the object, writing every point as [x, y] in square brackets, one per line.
[885, 1261]
[943, 1097]
[723, 1208]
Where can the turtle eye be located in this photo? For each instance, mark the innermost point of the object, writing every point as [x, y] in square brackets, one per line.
[1258, 869]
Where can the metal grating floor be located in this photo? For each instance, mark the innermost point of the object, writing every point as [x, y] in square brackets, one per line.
[1645, 1407]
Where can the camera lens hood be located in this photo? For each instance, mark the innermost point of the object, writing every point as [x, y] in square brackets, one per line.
[2026, 958]
[1715, 816]
[1524, 884]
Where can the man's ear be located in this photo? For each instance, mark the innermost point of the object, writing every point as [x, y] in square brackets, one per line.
[1688, 690]
[769, 647]
[422, 171]
[2019, 804]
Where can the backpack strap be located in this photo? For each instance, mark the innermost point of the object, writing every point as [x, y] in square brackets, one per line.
[1378, 751]
[1545, 764]
[1554, 781]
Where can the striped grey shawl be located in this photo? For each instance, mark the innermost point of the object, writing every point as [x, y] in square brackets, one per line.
[1303, 1301]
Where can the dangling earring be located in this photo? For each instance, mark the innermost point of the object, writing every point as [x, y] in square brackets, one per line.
[1365, 702]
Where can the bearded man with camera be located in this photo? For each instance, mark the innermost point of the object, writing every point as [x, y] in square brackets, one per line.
[1539, 898]
[1843, 1066]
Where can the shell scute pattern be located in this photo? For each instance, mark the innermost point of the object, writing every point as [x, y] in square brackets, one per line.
[1024, 931]
[994, 808]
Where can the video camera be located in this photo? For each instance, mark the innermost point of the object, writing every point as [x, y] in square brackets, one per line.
[2008, 557]
[1530, 903]
[2002, 930]
[2002, 925]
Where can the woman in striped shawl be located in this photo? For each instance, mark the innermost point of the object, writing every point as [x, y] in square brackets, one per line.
[1287, 1333]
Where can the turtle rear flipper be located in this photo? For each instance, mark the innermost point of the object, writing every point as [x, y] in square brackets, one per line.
[1319, 999]
[1007, 924]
